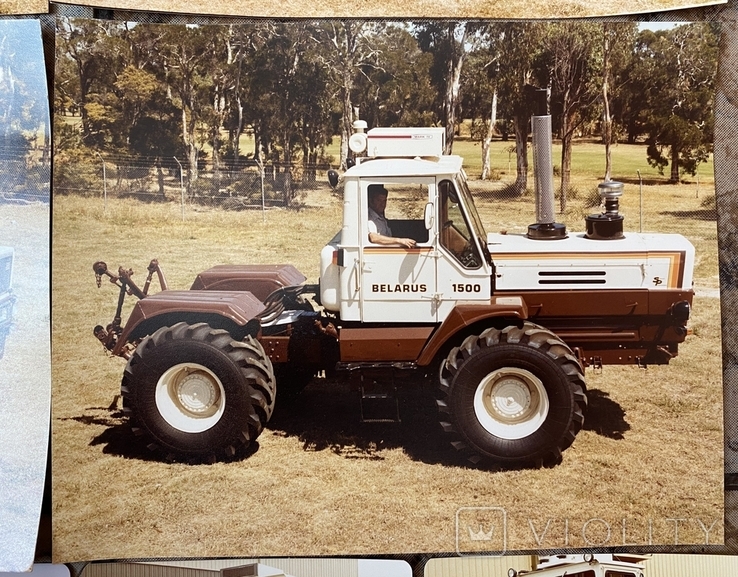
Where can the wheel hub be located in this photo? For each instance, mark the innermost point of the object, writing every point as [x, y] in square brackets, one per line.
[197, 392]
[190, 397]
[510, 399]
[511, 403]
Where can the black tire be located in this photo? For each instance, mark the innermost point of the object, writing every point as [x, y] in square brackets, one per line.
[197, 394]
[515, 396]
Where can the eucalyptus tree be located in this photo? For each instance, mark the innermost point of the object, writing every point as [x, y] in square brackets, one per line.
[618, 41]
[184, 57]
[518, 48]
[449, 42]
[681, 64]
[574, 61]
[289, 103]
[346, 48]
[480, 96]
[97, 53]
[397, 90]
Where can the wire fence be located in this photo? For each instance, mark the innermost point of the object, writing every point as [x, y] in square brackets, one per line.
[243, 186]
[24, 181]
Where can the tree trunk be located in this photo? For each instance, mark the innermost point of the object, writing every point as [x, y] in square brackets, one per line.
[565, 170]
[675, 178]
[453, 87]
[606, 116]
[488, 138]
[521, 153]
[346, 125]
[160, 178]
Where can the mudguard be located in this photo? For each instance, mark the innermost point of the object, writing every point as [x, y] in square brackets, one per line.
[220, 309]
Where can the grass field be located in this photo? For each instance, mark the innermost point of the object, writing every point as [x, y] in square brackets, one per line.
[321, 483]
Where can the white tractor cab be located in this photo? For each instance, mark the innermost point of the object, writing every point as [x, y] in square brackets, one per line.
[428, 201]
[587, 565]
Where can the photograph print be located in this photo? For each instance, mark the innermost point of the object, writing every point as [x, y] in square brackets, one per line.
[354, 287]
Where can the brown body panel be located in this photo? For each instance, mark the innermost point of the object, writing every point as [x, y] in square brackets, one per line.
[382, 343]
[260, 280]
[236, 307]
[604, 327]
[465, 315]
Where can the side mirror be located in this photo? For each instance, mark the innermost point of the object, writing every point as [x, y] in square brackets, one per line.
[428, 216]
[333, 178]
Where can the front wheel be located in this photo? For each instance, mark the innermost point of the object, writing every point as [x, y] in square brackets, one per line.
[197, 394]
[513, 396]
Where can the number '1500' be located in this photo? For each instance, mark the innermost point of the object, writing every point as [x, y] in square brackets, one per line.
[467, 288]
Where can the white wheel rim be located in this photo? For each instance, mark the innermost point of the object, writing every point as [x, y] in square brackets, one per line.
[511, 403]
[190, 397]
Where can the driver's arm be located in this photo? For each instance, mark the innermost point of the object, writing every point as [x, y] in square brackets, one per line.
[376, 238]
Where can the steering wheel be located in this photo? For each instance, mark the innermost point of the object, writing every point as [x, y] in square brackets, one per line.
[468, 257]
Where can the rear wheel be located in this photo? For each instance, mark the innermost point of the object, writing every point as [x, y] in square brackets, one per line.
[514, 396]
[197, 394]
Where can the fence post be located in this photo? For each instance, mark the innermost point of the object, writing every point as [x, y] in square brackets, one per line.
[640, 187]
[261, 179]
[105, 184]
[181, 185]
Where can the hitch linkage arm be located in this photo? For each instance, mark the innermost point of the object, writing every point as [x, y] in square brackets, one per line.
[108, 336]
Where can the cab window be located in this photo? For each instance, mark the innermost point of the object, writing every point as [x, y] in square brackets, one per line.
[455, 234]
[404, 209]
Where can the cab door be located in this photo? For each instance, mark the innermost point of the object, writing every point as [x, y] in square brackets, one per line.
[463, 273]
[398, 284]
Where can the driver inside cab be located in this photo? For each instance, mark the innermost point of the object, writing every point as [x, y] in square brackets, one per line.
[379, 228]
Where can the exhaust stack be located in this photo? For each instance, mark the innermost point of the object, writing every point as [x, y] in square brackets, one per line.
[545, 228]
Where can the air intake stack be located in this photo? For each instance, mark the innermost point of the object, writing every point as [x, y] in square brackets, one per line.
[545, 228]
[609, 224]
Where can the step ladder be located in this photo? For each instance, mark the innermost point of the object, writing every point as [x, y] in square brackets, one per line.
[378, 395]
[379, 403]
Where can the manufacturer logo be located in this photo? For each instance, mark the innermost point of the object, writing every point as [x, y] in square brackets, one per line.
[399, 288]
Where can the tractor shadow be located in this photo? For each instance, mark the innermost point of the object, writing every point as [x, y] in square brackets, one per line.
[118, 439]
[604, 416]
[326, 416]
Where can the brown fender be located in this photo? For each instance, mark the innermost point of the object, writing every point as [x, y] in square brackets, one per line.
[220, 309]
[464, 315]
[258, 279]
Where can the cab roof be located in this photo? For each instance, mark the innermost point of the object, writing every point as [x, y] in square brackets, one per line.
[405, 167]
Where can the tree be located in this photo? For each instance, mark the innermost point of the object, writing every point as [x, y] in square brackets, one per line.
[480, 98]
[618, 39]
[289, 98]
[397, 89]
[346, 50]
[574, 62]
[518, 46]
[449, 43]
[682, 62]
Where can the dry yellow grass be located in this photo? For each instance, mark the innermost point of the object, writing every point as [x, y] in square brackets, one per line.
[320, 483]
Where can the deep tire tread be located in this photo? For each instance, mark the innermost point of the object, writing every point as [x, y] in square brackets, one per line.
[252, 363]
[531, 336]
